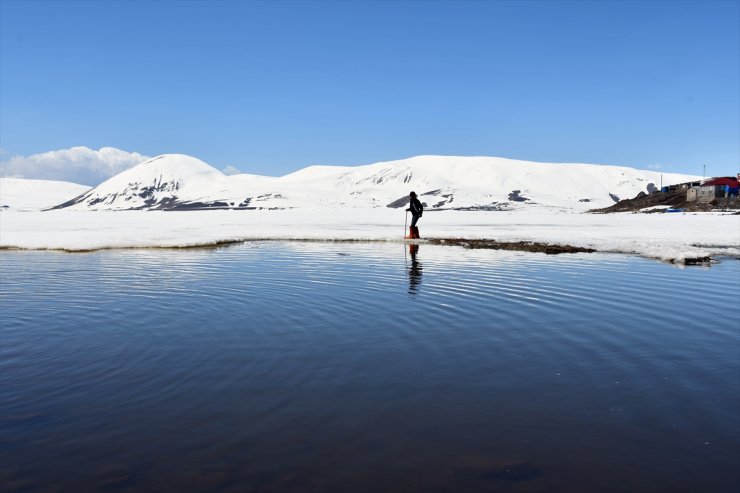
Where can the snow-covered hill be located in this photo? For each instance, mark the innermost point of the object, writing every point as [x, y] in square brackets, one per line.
[21, 194]
[484, 183]
[174, 181]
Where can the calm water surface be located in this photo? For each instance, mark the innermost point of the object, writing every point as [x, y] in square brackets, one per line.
[361, 367]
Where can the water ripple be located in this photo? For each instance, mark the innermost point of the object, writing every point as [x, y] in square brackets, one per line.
[309, 356]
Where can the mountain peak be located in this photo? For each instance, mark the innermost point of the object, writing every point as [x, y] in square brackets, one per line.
[182, 164]
[151, 184]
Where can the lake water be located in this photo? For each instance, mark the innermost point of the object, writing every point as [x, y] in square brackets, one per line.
[345, 367]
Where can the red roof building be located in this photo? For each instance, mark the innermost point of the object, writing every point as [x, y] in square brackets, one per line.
[713, 188]
[713, 182]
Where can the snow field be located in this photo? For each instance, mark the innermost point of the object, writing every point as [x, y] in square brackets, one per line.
[668, 237]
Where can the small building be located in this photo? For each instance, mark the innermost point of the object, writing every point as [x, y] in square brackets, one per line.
[713, 188]
[680, 186]
[692, 194]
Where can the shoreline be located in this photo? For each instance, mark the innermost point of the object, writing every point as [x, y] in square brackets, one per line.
[467, 243]
[674, 238]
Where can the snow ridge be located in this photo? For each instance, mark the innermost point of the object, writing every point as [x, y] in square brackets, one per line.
[177, 182]
[24, 194]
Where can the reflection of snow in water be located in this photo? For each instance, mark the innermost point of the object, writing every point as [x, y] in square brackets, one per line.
[497, 362]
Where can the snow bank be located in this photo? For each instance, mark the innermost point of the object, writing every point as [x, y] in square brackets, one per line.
[23, 194]
[670, 237]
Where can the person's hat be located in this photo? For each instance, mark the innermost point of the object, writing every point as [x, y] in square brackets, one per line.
[413, 193]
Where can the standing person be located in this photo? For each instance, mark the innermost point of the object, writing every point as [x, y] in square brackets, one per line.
[416, 210]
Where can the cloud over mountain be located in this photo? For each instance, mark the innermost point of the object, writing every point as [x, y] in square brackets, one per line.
[76, 164]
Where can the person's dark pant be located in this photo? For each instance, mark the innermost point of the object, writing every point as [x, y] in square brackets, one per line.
[414, 218]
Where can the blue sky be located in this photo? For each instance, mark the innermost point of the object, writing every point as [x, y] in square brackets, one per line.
[272, 87]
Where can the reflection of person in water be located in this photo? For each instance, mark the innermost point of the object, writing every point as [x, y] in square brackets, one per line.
[415, 270]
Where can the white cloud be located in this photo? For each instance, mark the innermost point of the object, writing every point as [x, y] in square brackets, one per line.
[231, 170]
[77, 164]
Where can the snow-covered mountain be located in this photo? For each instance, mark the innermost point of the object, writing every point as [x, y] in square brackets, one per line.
[155, 183]
[484, 183]
[175, 181]
[22, 194]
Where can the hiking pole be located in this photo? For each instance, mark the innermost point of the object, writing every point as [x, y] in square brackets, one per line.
[405, 260]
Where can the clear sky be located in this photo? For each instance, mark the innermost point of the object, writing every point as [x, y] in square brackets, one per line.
[270, 87]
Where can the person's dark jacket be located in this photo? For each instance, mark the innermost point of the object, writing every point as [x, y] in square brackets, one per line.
[415, 207]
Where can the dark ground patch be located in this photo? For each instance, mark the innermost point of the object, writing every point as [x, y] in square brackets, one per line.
[403, 202]
[523, 246]
[398, 203]
[674, 199]
[492, 207]
[515, 197]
